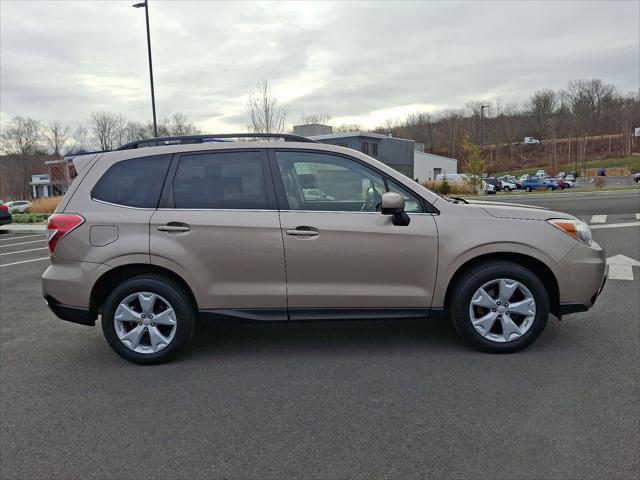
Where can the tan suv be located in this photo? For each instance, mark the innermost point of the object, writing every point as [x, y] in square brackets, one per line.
[160, 234]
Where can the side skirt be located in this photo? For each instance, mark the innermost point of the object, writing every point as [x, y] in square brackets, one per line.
[318, 314]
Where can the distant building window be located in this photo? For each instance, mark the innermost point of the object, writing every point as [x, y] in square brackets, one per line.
[374, 150]
[365, 148]
[436, 172]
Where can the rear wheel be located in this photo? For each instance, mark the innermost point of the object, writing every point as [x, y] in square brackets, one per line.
[507, 189]
[148, 319]
[499, 307]
[527, 189]
[550, 188]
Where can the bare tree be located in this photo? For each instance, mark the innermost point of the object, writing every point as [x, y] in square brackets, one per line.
[21, 142]
[180, 125]
[348, 127]
[81, 140]
[266, 114]
[108, 128]
[56, 136]
[322, 118]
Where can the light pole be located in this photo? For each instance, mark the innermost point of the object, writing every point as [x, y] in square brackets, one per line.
[145, 5]
[482, 107]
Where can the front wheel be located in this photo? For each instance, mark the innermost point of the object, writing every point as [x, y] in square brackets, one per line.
[551, 189]
[499, 307]
[527, 189]
[507, 189]
[148, 319]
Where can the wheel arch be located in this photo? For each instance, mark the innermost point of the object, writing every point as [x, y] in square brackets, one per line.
[110, 279]
[539, 268]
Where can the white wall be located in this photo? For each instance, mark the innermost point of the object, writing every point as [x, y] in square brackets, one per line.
[424, 163]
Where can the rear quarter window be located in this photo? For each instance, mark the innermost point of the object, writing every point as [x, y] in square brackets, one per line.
[136, 182]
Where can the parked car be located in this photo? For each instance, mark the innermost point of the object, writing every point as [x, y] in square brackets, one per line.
[155, 239]
[636, 177]
[570, 178]
[457, 178]
[495, 182]
[551, 184]
[507, 186]
[562, 183]
[562, 175]
[531, 141]
[489, 188]
[524, 177]
[541, 174]
[5, 216]
[18, 206]
[511, 179]
[536, 184]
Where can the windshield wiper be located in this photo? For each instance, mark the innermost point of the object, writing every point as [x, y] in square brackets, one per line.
[458, 199]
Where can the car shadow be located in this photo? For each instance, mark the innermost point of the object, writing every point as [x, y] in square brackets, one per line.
[329, 337]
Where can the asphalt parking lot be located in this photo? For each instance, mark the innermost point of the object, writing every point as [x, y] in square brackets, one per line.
[401, 399]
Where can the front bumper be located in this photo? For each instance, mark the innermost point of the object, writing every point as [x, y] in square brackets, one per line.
[70, 313]
[581, 276]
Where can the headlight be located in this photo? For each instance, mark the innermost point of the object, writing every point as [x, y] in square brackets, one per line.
[576, 228]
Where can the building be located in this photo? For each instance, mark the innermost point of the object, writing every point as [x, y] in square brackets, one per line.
[427, 165]
[311, 129]
[395, 152]
[41, 185]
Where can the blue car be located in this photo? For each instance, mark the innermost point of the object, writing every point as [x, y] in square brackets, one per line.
[537, 184]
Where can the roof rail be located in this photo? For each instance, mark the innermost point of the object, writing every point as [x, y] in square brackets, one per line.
[214, 137]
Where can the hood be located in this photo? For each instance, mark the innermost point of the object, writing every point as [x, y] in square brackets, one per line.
[514, 210]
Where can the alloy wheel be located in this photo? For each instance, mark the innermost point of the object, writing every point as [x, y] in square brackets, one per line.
[145, 322]
[502, 310]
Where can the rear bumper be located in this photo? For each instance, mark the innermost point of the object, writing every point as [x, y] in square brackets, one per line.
[70, 313]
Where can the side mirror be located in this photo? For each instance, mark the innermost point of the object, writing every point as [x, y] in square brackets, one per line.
[393, 204]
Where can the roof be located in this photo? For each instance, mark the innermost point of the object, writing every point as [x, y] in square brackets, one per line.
[427, 154]
[337, 136]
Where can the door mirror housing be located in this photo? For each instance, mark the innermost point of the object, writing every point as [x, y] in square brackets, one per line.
[393, 204]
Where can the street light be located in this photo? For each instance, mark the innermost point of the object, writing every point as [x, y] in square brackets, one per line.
[482, 107]
[145, 5]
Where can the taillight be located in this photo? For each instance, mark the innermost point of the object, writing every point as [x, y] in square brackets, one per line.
[4, 208]
[59, 225]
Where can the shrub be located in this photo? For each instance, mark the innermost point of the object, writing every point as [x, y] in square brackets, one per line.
[29, 217]
[600, 182]
[452, 188]
[44, 205]
[445, 188]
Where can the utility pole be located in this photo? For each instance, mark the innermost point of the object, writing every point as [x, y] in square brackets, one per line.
[482, 107]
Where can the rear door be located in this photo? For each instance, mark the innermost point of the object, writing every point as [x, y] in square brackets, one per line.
[341, 252]
[218, 227]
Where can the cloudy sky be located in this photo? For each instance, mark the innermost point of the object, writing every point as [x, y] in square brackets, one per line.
[359, 62]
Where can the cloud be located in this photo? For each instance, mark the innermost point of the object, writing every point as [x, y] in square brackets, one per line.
[360, 62]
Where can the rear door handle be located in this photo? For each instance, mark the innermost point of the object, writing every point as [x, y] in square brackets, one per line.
[303, 232]
[174, 227]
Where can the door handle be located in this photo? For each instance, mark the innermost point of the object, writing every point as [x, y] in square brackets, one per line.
[174, 227]
[303, 232]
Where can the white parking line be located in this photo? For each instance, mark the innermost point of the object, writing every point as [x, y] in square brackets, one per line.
[610, 225]
[637, 216]
[22, 243]
[598, 219]
[24, 261]
[20, 237]
[24, 251]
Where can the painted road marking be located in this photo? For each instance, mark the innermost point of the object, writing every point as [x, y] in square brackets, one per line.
[621, 267]
[598, 219]
[24, 251]
[20, 237]
[22, 243]
[637, 216]
[616, 225]
[24, 261]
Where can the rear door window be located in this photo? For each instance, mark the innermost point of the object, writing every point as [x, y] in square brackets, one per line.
[221, 180]
[136, 182]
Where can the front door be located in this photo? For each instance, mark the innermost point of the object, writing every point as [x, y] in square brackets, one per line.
[340, 251]
[219, 230]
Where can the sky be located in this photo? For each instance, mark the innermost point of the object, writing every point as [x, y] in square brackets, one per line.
[360, 62]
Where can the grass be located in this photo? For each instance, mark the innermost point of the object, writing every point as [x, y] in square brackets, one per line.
[632, 163]
[29, 217]
[44, 205]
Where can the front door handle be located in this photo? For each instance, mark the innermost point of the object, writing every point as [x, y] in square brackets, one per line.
[174, 227]
[303, 232]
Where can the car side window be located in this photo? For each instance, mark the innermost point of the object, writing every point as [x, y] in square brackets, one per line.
[136, 182]
[220, 180]
[411, 203]
[324, 182]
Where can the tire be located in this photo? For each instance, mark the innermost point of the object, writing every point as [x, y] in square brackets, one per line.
[162, 294]
[550, 188]
[527, 189]
[507, 189]
[494, 341]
